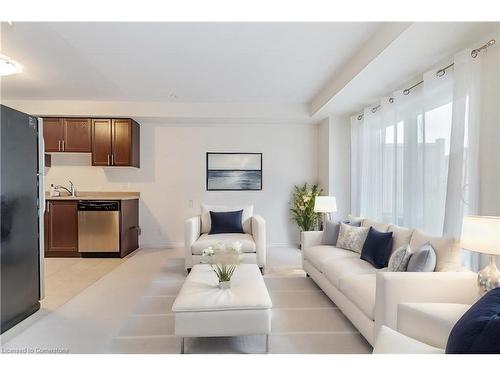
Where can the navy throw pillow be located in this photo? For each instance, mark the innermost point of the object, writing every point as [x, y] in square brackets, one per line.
[478, 330]
[377, 248]
[226, 222]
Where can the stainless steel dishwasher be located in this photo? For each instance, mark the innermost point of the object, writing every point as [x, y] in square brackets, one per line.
[98, 226]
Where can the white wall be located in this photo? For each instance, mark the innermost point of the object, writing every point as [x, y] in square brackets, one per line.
[173, 172]
[334, 158]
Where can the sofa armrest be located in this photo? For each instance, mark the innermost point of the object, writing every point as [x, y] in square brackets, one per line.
[192, 228]
[311, 238]
[393, 288]
[259, 236]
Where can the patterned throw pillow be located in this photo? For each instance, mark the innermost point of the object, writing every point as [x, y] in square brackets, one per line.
[352, 238]
[398, 262]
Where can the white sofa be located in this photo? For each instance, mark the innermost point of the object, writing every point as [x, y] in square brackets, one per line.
[369, 297]
[253, 239]
[422, 328]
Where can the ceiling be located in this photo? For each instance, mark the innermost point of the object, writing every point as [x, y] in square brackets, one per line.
[422, 46]
[178, 62]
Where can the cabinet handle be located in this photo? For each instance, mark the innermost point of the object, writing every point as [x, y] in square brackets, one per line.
[59, 145]
[63, 145]
[48, 207]
[108, 159]
[112, 159]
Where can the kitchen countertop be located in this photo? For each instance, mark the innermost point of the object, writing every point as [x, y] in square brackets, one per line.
[96, 195]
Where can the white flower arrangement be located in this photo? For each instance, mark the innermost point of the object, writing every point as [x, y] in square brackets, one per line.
[223, 259]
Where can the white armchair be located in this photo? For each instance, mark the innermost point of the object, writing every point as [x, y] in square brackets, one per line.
[253, 240]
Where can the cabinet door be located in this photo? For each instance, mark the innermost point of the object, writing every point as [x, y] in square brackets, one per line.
[101, 142]
[77, 135]
[53, 134]
[122, 142]
[62, 219]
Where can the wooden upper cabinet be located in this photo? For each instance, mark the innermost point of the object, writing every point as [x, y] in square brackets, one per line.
[122, 141]
[77, 135]
[112, 142]
[67, 134]
[53, 134]
[115, 143]
[101, 142]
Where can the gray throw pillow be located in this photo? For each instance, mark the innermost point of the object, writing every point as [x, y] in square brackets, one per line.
[330, 232]
[398, 262]
[424, 260]
[353, 223]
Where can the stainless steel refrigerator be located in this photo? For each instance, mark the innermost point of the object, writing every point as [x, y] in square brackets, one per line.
[22, 207]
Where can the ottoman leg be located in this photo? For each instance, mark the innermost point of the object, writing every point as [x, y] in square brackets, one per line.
[267, 344]
[182, 345]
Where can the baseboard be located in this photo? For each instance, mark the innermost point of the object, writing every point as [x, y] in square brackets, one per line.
[175, 245]
[162, 245]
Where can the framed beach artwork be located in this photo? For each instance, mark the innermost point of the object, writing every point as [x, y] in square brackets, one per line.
[234, 171]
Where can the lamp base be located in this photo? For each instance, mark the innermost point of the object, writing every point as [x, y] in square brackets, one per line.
[489, 277]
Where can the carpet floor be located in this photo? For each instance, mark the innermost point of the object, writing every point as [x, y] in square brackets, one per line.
[129, 311]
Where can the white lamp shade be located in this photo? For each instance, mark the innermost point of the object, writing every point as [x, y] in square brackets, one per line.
[481, 234]
[325, 204]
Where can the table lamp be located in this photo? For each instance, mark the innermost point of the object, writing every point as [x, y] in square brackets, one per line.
[482, 234]
[325, 205]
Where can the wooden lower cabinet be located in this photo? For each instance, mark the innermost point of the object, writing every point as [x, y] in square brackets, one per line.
[129, 226]
[61, 229]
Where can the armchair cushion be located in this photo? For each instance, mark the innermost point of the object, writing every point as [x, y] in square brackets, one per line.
[206, 240]
[246, 217]
[390, 341]
[430, 323]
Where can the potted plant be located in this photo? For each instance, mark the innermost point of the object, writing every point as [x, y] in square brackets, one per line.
[302, 206]
[224, 261]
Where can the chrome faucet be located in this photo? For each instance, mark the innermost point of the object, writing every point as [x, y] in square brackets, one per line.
[71, 190]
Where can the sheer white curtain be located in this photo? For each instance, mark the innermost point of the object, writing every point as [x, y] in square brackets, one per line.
[475, 118]
[418, 159]
[399, 156]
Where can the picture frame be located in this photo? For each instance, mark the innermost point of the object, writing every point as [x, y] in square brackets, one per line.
[233, 171]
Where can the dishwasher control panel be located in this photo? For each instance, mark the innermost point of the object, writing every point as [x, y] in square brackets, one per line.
[98, 206]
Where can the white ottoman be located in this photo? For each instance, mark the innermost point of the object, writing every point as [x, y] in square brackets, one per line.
[203, 310]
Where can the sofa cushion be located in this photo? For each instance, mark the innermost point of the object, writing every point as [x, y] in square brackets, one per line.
[318, 255]
[206, 240]
[351, 238]
[401, 236]
[423, 260]
[355, 220]
[336, 269]
[381, 227]
[360, 289]
[246, 217]
[448, 256]
[377, 248]
[226, 222]
[430, 323]
[478, 330]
